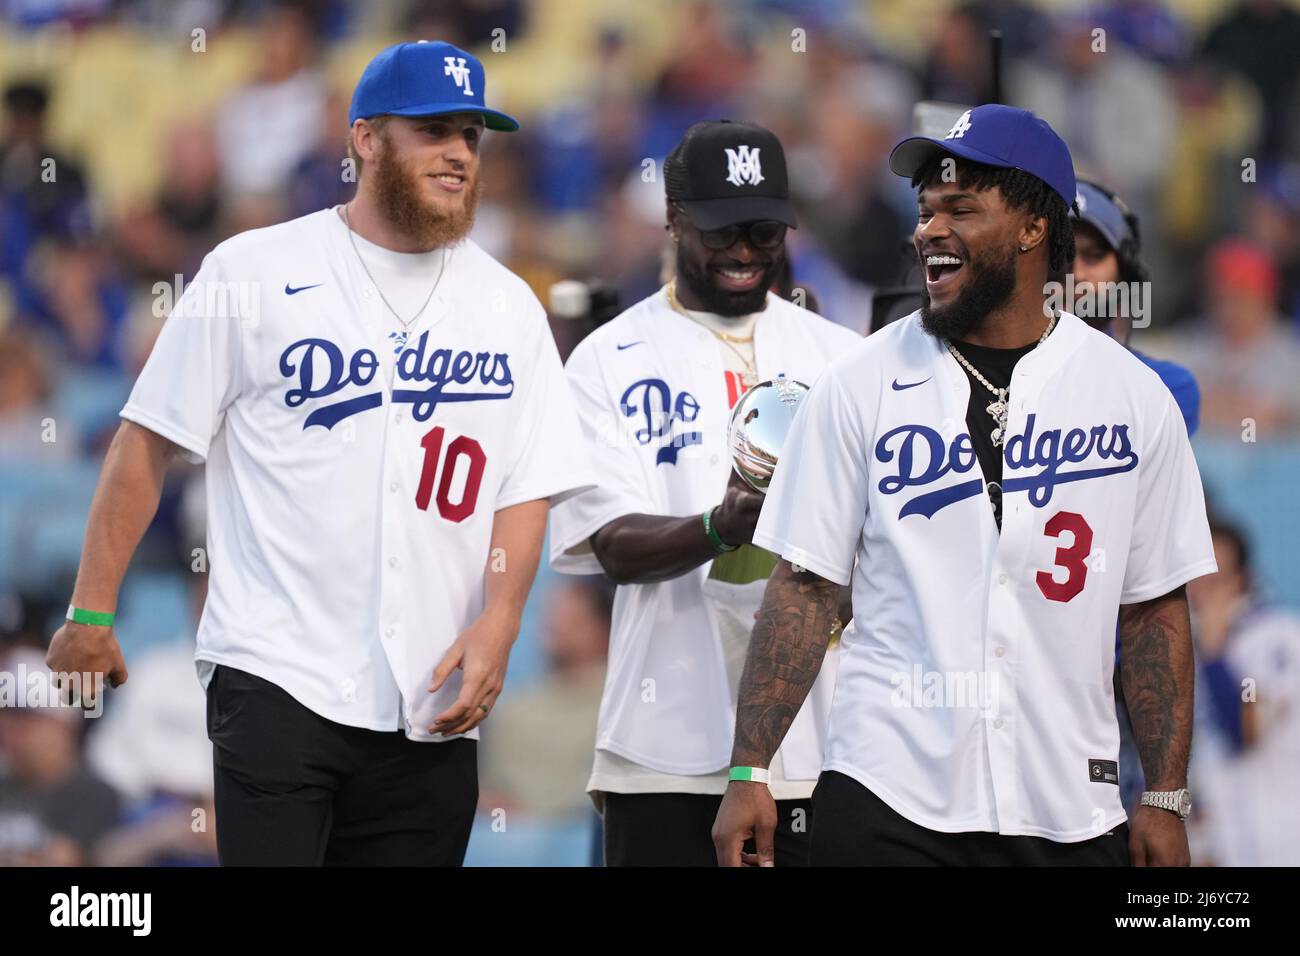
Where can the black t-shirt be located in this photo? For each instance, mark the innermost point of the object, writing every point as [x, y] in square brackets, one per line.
[995, 365]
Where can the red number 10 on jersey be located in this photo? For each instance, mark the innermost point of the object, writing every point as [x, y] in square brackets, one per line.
[461, 447]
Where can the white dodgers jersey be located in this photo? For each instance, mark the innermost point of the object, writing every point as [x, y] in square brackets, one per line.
[975, 690]
[656, 402]
[352, 481]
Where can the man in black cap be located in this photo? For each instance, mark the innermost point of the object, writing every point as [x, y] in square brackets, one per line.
[669, 520]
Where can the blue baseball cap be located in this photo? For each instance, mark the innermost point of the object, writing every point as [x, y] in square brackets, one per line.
[427, 78]
[996, 135]
[1104, 213]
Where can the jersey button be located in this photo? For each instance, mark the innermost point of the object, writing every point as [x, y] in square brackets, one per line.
[999, 652]
[390, 631]
[392, 562]
[1002, 579]
[997, 724]
[392, 486]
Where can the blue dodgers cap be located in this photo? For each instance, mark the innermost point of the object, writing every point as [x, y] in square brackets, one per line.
[427, 78]
[1104, 213]
[996, 135]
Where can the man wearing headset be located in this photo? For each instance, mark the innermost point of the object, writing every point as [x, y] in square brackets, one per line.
[1107, 249]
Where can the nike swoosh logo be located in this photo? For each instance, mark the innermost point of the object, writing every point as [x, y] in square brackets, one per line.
[630, 344]
[290, 290]
[899, 388]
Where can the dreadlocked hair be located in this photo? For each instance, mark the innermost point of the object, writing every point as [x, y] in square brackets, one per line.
[1019, 191]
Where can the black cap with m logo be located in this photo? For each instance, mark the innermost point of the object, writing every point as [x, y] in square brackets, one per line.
[724, 173]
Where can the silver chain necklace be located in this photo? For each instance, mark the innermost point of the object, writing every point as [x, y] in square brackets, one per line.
[405, 323]
[998, 408]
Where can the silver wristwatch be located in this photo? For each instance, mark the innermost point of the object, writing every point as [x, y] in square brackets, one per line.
[1175, 801]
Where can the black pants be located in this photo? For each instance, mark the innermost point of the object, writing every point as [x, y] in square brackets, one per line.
[295, 789]
[854, 827]
[676, 829]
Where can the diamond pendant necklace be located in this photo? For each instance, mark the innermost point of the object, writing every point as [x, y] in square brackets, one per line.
[398, 337]
[998, 408]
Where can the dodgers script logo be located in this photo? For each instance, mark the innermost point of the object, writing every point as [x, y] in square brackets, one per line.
[921, 458]
[322, 371]
[653, 401]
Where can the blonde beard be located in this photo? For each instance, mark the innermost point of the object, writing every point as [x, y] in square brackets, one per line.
[397, 193]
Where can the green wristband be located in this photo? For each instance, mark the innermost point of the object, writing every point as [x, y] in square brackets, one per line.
[718, 543]
[98, 618]
[749, 774]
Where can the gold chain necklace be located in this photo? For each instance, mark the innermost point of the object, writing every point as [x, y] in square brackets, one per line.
[749, 378]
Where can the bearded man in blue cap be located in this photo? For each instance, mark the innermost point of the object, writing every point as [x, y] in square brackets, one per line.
[385, 419]
[1001, 482]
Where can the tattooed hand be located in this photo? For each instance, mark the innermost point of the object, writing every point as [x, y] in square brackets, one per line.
[1156, 673]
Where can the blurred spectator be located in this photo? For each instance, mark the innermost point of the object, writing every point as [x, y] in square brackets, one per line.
[44, 12]
[465, 23]
[1242, 354]
[1217, 120]
[1148, 27]
[537, 746]
[1260, 39]
[1271, 220]
[267, 128]
[52, 808]
[170, 235]
[850, 210]
[25, 408]
[73, 292]
[957, 65]
[318, 181]
[1024, 26]
[42, 192]
[1115, 110]
[710, 68]
[1247, 756]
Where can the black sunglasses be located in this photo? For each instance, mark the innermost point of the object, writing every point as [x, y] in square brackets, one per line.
[761, 234]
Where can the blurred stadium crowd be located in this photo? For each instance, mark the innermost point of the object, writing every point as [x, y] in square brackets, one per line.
[136, 134]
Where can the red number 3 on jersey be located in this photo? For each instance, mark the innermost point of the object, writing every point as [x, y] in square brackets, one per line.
[465, 447]
[1074, 558]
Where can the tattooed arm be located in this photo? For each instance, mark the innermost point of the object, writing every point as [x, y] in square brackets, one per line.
[1156, 674]
[785, 654]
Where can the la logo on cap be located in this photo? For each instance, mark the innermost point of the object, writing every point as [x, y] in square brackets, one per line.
[960, 127]
[743, 166]
[458, 72]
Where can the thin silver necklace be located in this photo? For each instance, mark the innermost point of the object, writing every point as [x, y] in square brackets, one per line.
[405, 323]
[998, 408]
